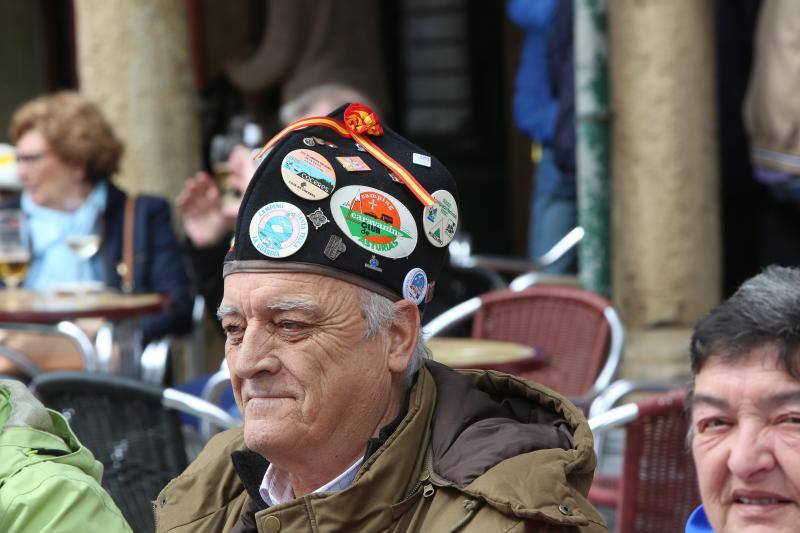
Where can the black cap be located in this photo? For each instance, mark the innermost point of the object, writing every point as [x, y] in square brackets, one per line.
[322, 203]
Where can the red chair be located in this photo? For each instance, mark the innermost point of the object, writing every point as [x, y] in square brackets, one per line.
[657, 490]
[579, 331]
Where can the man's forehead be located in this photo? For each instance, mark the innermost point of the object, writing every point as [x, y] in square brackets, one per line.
[282, 291]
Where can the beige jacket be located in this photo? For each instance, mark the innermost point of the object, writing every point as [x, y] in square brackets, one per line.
[772, 105]
[483, 458]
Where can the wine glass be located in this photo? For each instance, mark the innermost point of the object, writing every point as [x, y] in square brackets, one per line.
[15, 252]
[85, 247]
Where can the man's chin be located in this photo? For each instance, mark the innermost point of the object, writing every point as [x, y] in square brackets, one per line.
[262, 436]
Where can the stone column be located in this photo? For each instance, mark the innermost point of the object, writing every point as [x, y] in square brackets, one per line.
[666, 222]
[134, 62]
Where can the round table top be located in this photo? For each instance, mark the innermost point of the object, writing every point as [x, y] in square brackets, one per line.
[21, 305]
[485, 354]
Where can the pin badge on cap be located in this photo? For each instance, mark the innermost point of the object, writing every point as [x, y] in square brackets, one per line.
[278, 229]
[440, 220]
[353, 164]
[421, 159]
[308, 174]
[373, 264]
[318, 218]
[334, 247]
[374, 220]
[313, 141]
[415, 285]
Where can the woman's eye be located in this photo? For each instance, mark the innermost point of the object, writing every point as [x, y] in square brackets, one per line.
[793, 420]
[712, 424]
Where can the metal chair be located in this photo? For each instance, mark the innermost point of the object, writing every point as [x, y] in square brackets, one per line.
[657, 489]
[579, 331]
[133, 428]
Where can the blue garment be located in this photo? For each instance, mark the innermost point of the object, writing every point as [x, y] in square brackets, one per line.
[698, 522]
[534, 105]
[553, 214]
[561, 60]
[157, 260]
[53, 262]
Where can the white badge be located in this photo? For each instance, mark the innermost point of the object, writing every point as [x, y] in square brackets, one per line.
[278, 229]
[375, 220]
[440, 220]
[308, 174]
[415, 285]
[421, 159]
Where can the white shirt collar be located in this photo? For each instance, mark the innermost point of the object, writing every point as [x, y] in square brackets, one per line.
[276, 487]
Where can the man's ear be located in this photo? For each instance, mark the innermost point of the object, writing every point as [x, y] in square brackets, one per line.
[403, 334]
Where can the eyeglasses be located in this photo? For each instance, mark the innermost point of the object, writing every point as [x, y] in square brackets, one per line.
[31, 158]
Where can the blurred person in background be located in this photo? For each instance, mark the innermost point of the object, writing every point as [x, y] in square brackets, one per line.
[208, 219]
[66, 154]
[772, 121]
[544, 110]
[745, 408]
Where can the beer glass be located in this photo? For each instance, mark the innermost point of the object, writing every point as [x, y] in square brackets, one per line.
[15, 252]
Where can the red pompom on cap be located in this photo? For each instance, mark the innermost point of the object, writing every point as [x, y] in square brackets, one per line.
[358, 118]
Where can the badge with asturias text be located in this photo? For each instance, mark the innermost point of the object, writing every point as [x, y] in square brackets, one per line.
[374, 220]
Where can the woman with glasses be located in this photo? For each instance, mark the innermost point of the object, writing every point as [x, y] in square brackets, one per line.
[67, 153]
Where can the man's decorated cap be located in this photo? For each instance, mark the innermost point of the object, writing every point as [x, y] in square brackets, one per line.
[344, 196]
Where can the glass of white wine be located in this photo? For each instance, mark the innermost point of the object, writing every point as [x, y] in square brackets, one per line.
[85, 247]
[15, 251]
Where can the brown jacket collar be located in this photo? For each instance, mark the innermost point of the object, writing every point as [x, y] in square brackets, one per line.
[515, 477]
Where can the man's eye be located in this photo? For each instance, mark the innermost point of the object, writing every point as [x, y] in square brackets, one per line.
[232, 330]
[288, 325]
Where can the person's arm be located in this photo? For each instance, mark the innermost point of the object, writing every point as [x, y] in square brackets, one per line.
[206, 266]
[57, 498]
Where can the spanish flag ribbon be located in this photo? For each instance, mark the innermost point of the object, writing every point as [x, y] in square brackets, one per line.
[358, 120]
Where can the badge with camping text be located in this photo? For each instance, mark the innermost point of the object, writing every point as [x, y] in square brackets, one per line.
[374, 220]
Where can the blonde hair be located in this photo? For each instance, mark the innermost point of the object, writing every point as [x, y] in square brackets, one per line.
[74, 128]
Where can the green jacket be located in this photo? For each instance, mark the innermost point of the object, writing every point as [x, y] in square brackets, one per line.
[493, 453]
[48, 480]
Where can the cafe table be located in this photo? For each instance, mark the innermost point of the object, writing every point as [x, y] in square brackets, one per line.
[117, 346]
[486, 354]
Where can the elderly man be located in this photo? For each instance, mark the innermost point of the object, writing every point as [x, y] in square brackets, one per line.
[348, 427]
[745, 403]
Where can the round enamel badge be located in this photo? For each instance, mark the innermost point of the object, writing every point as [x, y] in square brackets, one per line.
[278, 229]
[308, 174]
[415, 285]
[376, 221]
[440, 220]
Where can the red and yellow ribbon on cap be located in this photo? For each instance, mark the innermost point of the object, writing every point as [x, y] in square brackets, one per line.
[359, 121]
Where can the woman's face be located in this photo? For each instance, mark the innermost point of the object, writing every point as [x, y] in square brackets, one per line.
[746, 443]
[50, 181]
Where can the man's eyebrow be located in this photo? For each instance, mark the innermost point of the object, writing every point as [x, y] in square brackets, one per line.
[225, 310]
[292, 304]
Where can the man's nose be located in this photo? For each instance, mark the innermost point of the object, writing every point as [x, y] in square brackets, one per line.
[256, 354]
[752, 451]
